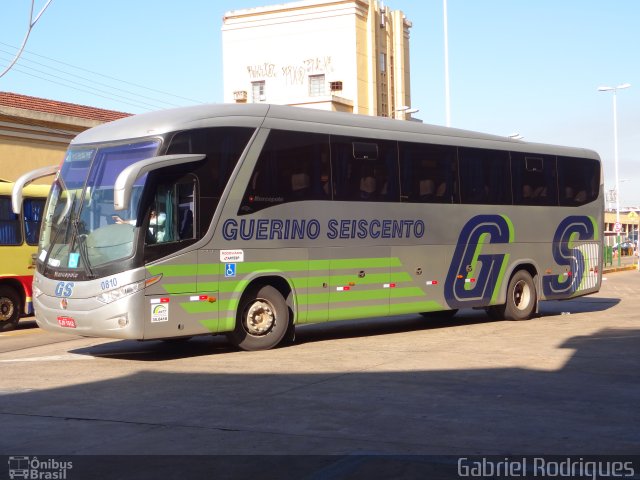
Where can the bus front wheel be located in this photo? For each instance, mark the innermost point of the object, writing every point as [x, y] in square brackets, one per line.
[9, 308]
[521, 299]
[262, 320]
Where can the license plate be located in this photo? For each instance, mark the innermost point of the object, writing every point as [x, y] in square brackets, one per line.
[66, 322]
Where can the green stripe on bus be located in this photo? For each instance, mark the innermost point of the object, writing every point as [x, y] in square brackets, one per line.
[596, 230]
[284, 266]
[174, 270]
[407, 292]
[512, 230]
[354, 295]
[211, 325]
[496, 289]
[232, 285]
[199, 307]
[227, 324]
[177, 288]
[230, 305]
[413, 307]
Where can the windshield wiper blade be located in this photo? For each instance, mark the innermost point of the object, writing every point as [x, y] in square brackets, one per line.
[82, 250]
[67, 220]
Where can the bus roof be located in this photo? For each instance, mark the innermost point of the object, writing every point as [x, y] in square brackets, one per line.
[29, 191]
[200, 116]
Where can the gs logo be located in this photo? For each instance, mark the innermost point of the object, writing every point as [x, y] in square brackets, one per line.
[64, 289]
[566, 253]
[480, 231]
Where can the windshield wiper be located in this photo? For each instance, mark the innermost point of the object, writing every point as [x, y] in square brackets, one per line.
[52, 244]
[82, 250]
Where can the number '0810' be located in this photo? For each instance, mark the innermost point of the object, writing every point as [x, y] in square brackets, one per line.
[109, 283]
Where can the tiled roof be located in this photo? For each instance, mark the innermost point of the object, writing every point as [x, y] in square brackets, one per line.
[44, 105]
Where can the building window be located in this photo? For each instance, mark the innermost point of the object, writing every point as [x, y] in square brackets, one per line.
[383, 62]
[316, 85]
[257, 92]
[335, 86]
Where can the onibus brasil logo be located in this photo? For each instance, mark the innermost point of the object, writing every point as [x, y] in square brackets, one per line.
[37, 469]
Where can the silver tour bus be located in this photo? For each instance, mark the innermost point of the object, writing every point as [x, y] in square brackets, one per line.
[248, 220]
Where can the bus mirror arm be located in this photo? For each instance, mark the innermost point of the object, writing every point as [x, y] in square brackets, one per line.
[124, 183]
[26, 179]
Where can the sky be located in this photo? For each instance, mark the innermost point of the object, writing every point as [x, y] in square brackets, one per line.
[530, 67]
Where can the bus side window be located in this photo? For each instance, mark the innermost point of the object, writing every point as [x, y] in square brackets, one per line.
[578, 180]
[364, 169]
[32, 209]
[10, 233]
[427, 172]
[485, 176]
[172, 212]
[293, 166]
[534, 179]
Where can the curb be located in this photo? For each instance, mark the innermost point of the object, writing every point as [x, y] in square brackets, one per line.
[619, 269]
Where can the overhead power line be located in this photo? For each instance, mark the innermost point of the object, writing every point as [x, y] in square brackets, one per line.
[32, 22]
[92, 83]
[145, 87]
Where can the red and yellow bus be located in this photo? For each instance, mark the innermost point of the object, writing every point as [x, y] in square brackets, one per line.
[19, 235]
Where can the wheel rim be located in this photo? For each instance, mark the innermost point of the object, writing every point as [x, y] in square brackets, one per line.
[521, 295]
[6, 309]
[260, 317]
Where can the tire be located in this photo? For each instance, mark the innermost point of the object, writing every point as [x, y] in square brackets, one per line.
[443, 314]
[521, 299]
[10, 310]
[262, 319]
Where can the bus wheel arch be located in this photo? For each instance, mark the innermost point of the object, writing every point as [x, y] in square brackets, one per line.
[520, 295]
[264, 316]
[11, 301]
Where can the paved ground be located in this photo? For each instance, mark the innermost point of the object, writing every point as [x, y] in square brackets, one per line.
[567, 382]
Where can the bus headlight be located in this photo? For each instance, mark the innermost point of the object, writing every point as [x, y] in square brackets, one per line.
[118, 293]
[35, 291]
[126, 290]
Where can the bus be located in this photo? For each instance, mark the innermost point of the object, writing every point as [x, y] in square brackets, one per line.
[249, 220]
[19, 234]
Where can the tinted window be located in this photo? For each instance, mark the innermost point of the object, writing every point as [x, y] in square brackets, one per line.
[364, 169]
[485, 176]
[293, 166]
[10, 233]
[428, 172]
[534, 179]
[578, 180]
[172, 211]
[32, 209]
[223, 147]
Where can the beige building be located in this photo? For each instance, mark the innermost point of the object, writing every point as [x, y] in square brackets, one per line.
[629, 223]
[35, 132]
[342, 55]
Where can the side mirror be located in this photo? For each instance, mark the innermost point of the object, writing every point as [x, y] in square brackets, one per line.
[26, 179]
[124, 183]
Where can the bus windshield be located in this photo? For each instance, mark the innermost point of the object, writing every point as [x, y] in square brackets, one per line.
[81, 227]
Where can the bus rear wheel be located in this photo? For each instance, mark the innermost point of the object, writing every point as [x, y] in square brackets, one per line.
[9, 308]
[521, 299]
[262, 321]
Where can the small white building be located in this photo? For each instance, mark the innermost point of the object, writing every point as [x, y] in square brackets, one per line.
[342, 55]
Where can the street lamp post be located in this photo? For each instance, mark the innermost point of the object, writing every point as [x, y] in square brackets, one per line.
[615, 150]
[405, 110]
[447, 94]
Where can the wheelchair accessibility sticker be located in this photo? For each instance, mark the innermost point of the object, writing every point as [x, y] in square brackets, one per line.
[230, 270]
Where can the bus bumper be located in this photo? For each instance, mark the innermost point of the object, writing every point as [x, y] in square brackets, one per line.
[91, 318]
